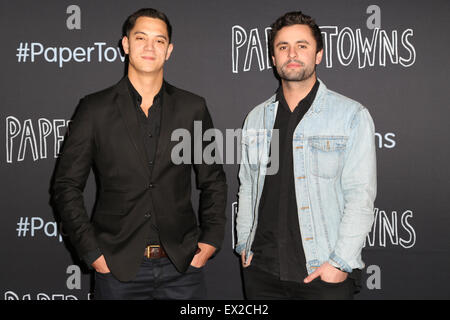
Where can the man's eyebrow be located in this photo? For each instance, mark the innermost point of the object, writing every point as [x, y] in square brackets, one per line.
[162, 36]
[285, 42]
[142, 32]
[139, 32]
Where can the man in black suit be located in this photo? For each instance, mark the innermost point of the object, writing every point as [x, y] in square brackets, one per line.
[144, 240]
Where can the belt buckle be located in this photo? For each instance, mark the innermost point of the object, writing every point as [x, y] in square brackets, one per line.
[148, 250]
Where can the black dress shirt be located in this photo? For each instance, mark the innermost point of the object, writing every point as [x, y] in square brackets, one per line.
[278, 245]
[149, 126]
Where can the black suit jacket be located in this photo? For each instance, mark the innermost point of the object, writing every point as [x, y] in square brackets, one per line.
[105, 136]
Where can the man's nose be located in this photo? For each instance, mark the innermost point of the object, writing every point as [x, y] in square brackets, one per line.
[292, 52]
[149, 45]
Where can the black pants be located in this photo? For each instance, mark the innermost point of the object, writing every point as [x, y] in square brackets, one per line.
[260, 285]
[156, 279]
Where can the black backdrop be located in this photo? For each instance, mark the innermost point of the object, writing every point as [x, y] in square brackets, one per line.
[392, 56]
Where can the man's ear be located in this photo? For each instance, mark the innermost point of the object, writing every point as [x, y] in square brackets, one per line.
[169, 51]
[125, 45]
[319, 56]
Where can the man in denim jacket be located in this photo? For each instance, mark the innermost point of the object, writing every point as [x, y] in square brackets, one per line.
[308, 178]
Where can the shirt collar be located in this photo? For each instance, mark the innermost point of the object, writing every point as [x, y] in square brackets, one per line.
[137, 97]
[308, 100]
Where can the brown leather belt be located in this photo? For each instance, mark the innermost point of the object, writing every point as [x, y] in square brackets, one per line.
[154, 252]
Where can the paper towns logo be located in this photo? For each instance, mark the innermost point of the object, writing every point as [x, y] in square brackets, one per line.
[24, 138]
[392, 229]
[344, 46]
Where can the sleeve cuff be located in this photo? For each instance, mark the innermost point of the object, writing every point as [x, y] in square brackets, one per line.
[338, 263]
[239, 248]
[91, 256]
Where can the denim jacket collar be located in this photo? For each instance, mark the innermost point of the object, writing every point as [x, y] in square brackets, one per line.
[272, 106]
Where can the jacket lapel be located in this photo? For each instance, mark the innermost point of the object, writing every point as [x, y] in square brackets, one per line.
[167, 124]
[124, 103]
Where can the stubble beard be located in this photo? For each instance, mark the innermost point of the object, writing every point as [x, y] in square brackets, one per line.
[302, 75]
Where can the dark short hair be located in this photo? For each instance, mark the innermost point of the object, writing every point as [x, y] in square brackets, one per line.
[293, 18]
[146, 12]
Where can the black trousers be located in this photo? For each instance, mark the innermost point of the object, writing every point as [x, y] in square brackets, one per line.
[157, 279]
[260, 285]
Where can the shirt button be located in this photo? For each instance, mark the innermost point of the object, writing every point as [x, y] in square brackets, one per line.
[150, 163]
[147, 215]
[151, 185]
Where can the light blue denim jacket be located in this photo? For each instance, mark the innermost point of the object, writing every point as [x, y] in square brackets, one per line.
[335, 177]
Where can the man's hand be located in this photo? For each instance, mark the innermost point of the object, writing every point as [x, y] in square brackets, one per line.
[327, 273]
[245, 265]
[200, 259]
[100, 265]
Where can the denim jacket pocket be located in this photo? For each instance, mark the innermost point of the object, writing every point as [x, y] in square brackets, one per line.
[327, 155]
